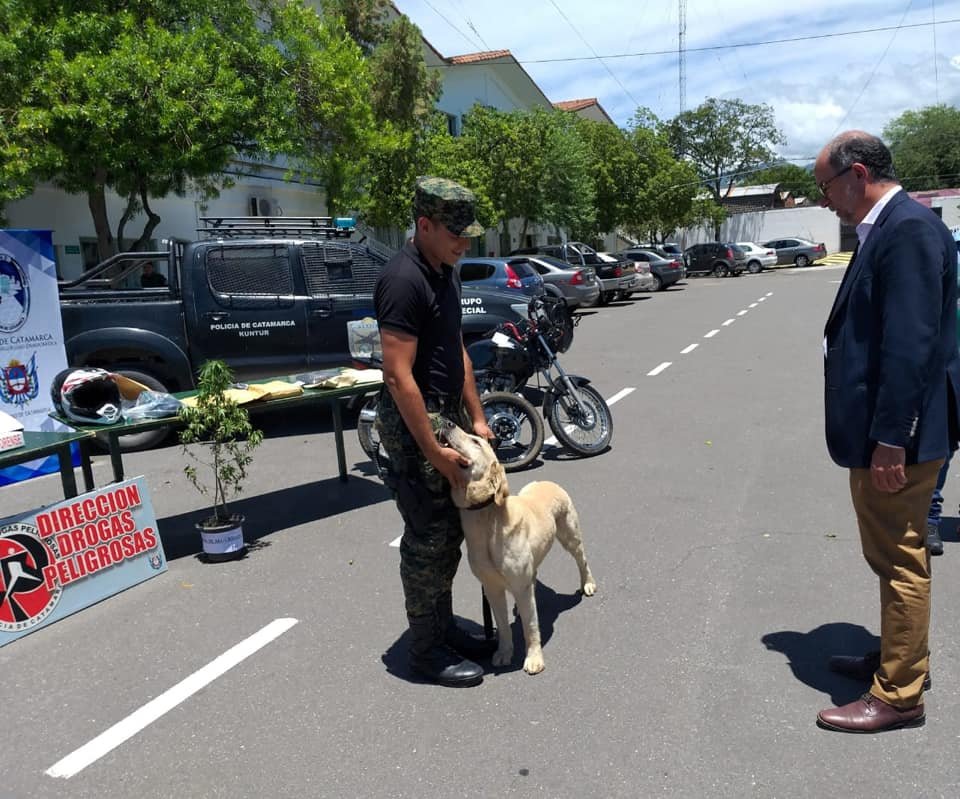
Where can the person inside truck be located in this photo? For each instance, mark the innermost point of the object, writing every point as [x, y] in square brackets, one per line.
[150, 278]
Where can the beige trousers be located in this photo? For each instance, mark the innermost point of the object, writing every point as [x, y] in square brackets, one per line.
[893, 535]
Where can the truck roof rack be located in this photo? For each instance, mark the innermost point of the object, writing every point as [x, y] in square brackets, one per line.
[327, 227]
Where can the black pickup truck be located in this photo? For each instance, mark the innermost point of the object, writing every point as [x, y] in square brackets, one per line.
[617, 276]
[269, 296]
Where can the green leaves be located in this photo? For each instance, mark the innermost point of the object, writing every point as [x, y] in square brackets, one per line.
[152, 97]
[926, 147]
[222, 429]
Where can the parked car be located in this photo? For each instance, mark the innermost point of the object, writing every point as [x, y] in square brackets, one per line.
[715, 258]
[758, 258]
[797, 251]
[671, 248]
[610, 275]
[648, 281]
[665, 271]
[503, 274]
[578, 285]
[628, 270]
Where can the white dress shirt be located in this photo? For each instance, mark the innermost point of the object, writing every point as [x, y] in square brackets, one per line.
[864, 228]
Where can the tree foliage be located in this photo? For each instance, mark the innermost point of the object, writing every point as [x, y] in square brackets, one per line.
[724, 139]
[795, 179]
[925, 144]
[535, 166]
[666, 191]
[614, 172]
[158, 96]
[403, 93]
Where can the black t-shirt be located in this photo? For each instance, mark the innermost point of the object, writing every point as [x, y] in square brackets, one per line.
[414, 298]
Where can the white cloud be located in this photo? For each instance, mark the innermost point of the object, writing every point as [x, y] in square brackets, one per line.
[813, 84]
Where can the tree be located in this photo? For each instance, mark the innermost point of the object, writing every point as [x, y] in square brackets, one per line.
[795, 179]
[724, 140]
[537, 168]
[403, 93]
[613, 172]
[926, 147]
[160, 96]
[667, 189]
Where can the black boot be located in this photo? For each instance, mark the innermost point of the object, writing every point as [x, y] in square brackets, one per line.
[430, 657]
[467, 644]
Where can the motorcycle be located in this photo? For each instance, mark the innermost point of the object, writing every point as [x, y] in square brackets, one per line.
[515, 423]
[504, 363]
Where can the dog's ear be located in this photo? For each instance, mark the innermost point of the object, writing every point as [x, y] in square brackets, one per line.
[477, 492]
[498, 483]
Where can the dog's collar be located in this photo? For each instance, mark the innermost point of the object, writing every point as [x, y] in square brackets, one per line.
[482, 505]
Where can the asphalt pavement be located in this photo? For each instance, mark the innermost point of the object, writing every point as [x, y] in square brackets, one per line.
[728, 568]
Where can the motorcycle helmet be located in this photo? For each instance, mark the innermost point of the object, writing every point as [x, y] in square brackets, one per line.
[86, 395]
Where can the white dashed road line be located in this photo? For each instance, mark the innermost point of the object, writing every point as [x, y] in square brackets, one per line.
[741, 313]
[657, 370]
[712, 333]
[728, 323]
[689, 349]
[753, 304]
[125, 729]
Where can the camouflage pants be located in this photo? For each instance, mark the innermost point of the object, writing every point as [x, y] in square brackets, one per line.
[430, 547]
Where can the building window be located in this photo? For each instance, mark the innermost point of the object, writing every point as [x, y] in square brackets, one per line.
[453, 124]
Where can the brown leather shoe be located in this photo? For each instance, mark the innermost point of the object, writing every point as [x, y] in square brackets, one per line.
[862, 668]
[870, 714]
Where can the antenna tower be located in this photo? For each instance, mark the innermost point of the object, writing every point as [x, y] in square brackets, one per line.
[682, 52]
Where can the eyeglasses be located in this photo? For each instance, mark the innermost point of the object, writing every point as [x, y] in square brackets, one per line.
[826, 184]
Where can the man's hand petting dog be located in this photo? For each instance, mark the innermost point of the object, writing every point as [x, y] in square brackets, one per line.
[451, 464]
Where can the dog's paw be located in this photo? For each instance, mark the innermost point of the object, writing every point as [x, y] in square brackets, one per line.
[502, 657]
[589, 589]
[533, 663]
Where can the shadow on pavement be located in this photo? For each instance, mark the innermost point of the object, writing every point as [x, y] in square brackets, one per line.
[274, 512]
[550, 605]
[807, 655]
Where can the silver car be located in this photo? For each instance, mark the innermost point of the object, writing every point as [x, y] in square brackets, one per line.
[578, 285]
[796, 251]
[758, 258]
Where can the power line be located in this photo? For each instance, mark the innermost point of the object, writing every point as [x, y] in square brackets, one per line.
[599, 58]
[875, 68]
[437, 12]
[790, 40]
[936, 69]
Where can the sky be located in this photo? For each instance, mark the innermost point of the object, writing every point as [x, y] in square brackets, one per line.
[817, 87]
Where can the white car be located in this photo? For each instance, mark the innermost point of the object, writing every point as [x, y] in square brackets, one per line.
[758, 257]
[633, 278]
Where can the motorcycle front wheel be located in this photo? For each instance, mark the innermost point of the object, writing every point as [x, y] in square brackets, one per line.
[586, 430]
[517, 426]
[366, 432]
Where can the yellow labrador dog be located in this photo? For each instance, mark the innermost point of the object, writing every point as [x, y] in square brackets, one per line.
[508, 538]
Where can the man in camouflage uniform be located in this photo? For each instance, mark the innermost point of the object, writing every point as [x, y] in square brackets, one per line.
[427, 373]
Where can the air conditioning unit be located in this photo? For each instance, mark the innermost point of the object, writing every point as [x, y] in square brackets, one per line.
[261, 206]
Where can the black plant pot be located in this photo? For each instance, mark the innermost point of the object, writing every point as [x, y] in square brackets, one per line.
[222, 541]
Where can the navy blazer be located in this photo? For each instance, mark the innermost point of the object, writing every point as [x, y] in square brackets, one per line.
[892, 370]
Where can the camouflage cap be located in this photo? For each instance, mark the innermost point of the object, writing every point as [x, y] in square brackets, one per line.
[448, 203]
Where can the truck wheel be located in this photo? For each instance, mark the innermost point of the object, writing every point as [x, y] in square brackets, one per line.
[150, 438]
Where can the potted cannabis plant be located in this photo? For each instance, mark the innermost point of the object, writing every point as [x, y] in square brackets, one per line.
[219, 439]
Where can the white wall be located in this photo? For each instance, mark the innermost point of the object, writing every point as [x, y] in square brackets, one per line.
[68, 215]
[815, 224]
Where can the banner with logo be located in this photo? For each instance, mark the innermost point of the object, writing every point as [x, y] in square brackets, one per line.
[31, 338]
[68, 556]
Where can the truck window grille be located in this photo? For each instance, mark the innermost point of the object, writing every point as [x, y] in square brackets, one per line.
[244, 275]
[336, 269]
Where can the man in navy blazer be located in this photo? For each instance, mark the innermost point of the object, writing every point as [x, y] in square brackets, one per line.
[892, 381]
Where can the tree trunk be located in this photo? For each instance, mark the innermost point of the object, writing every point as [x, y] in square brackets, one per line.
[97, 202]
[153, 220]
